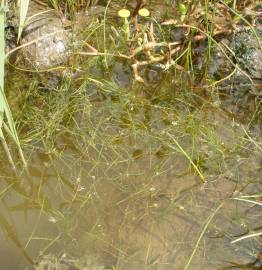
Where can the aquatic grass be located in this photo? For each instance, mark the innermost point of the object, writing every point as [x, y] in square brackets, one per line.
[250, 200]
[247, 199]
[88, 135]
[202, 233]
[88, 158]
[257, 144]
[196, 168]
[252, 235]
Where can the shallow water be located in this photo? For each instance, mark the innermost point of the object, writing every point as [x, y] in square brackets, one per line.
[114, 189]
[130, 176]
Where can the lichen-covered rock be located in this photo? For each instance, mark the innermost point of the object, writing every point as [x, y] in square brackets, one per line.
[235, 62]
[247, 46]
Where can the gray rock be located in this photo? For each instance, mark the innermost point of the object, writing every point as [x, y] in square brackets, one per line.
[246, 53]
[47, 37]
[247, 47]
[46, 42]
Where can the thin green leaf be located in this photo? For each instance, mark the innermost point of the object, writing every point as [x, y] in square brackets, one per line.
[9, 116]
[22, 17]
[4, 106]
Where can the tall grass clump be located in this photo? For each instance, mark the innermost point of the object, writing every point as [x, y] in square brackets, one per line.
[7, 124]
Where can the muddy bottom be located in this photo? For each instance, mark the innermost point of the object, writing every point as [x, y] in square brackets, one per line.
[163, 175]
[158, 180]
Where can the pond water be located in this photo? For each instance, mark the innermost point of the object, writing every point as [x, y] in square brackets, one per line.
[118, 183]
[130, 176]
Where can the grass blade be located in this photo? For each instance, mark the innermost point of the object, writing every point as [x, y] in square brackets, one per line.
[187, 156]
[246, 237]
[23, 11]
[208, 221]
[4, 106]
[248, 201]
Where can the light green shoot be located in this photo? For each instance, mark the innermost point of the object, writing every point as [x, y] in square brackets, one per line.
[22, 16]
[182, 10]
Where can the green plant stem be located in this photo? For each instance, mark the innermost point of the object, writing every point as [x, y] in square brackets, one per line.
[8, 153]
[187, 156]
[207, 223]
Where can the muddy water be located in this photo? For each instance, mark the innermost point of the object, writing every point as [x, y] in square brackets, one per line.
[147, 177]
[114, 191]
